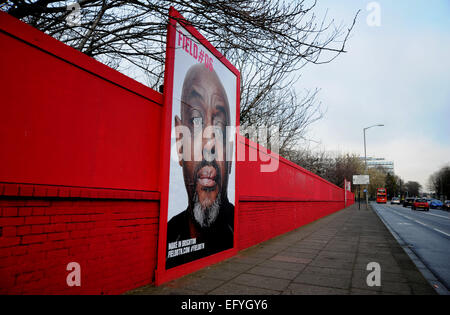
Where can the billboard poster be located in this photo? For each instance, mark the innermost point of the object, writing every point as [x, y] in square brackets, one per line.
[203, 97]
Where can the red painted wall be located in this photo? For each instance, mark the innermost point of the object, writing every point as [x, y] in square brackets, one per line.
[79, 164]
[71, 121]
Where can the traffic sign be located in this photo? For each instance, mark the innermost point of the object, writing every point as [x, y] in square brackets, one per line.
[361, 180]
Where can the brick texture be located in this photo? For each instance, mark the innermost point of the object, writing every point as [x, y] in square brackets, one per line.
[113, 241]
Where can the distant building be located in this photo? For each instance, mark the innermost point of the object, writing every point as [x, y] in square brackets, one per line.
[374, 162]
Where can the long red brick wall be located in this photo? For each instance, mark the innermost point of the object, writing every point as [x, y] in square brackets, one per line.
[79, 174]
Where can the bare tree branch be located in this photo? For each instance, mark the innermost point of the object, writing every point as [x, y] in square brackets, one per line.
[268, 41]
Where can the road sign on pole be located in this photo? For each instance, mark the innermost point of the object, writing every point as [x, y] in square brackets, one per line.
[361, 180]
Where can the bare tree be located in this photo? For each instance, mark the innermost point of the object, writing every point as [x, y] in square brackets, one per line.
[320, 163]
[333, 167]
[268, 41]
[391, 185]
[439, 182]
[413, 188]
[347, 165]
[377, 180]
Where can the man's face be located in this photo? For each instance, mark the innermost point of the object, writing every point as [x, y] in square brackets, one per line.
[206, 114]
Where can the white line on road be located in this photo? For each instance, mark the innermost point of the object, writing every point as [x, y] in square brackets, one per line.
[441, 216]
[441, 232]
[435, 215]
[437, 230]
[421, 223]
[405, 216]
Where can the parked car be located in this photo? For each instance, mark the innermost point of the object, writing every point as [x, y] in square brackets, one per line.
[420, 203]
[446, 205]
[395, 200]
[408, 202]
[435, 204]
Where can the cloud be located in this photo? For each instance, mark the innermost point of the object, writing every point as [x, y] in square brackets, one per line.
[396, 75]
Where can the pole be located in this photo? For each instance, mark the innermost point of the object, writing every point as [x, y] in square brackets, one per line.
[365, 162]
[359, 197]
[365, 169]
[365, 153]
[345, 193]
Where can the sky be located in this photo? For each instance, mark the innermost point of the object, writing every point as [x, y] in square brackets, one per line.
[396, 74]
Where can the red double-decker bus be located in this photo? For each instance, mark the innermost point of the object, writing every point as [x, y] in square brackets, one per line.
[381, 195]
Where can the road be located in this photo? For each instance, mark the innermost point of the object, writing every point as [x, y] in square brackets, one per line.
[426, 233]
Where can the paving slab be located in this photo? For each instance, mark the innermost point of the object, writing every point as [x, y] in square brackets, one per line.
[263, 282]
[237, 289]
[324, 280]
[305, 289]
[274, 272]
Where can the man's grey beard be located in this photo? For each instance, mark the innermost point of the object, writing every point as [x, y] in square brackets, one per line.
[204, 215]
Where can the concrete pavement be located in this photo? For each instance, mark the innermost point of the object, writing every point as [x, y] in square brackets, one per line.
[328, 256]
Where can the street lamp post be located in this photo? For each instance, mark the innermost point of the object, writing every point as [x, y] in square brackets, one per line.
[365, 161]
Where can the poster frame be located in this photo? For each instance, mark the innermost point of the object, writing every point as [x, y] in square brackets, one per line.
[162, 274]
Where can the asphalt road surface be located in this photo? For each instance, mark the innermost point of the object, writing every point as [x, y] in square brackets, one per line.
[426, 233]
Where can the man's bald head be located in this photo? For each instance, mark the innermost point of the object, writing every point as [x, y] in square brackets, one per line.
[203, 85]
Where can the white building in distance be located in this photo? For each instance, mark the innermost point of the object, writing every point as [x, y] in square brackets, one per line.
[377, 162]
